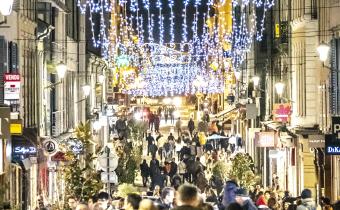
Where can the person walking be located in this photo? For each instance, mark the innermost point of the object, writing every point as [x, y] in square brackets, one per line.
[145, 172]
[182, 170]
[166, 200]
[153, 149]
[157, 122]
[187, 198]
[307, 202]
[179, 127]
[242, 198]
[172, 115]
[149, 139]
[191, 126]
[166, 114]
[151, 121]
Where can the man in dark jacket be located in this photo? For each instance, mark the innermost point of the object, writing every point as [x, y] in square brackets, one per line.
[188, 198]
[173, 168]
[145, 172]
[191, 126]
[153, 149]
[149, 139]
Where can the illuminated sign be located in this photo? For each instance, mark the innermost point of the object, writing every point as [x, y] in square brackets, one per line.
[332, 146]
[21, 150]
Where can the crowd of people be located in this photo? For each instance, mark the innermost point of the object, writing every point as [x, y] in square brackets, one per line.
[177, 173]
[190, 197]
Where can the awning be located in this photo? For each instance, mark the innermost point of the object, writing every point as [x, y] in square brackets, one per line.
[221, 115]
[57, 3]
[272, 125]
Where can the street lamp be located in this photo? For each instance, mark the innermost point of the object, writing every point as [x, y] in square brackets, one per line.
[6, 7]
[101, 78]
[61, 70]
[86, 90]
[237, 75]
[256, 80]
[279, 88]
[323, 50]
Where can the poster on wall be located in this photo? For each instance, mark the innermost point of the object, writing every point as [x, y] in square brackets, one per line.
[12, 86]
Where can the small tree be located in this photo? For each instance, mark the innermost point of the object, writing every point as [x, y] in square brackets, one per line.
[220, 170]
[130, 152]
[242, 172]
[82, 179]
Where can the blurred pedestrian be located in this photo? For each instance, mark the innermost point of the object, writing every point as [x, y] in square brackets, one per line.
[147, 204]
[179, 126]
[191, 126]
[187, 198]
[242, 198]
[145, 172]
[336, 205]
[307, 202]
[132, 202]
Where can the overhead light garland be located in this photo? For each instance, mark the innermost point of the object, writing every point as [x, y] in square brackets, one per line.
[222, 45]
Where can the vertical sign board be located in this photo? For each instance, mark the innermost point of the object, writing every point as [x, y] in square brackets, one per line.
[333, 140]
[12, 86]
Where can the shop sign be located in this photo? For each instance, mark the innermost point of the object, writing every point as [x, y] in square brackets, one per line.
[15, 127]
[59, 156]
[316, 141]
[50, 147]
[24, 150]
[265, 139]
[12, 86]
[282, 112]
[251, 111]
[336, 127]
[332, 145]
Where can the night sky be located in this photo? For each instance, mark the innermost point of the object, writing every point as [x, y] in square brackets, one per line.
[178, 19]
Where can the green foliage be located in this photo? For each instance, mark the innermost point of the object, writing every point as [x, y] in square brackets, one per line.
[82, 179]
[125, 189]
[130, 153]
[241, 171]
[220, 170]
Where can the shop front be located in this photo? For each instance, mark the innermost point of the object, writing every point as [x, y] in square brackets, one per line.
[24, 171]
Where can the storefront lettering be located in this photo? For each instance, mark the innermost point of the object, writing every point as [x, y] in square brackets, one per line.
[25, 150]
[333, 149]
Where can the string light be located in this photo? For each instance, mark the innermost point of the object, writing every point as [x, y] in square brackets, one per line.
[201, 55]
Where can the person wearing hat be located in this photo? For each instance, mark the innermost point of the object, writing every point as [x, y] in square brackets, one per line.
[242, 198]
[307, 202]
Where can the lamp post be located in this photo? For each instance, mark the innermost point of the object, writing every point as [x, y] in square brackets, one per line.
[61, 70]
[256, 81]
[86, 90]
[279, 87]
[6, 7]
[323, 51]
